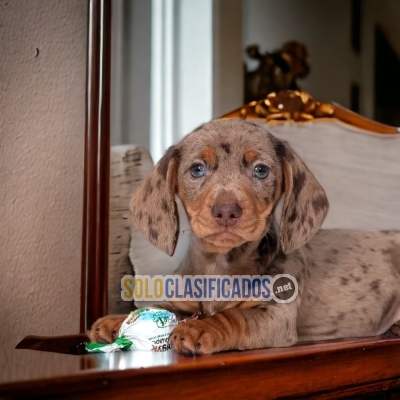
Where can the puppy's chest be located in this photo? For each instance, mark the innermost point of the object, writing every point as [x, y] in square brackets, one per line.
[248, 265]
[223, 265]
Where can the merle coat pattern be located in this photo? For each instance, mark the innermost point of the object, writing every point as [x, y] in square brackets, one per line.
[349, 281]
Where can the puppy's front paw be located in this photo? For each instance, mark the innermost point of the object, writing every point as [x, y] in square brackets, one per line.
[195, 337]
[105, 330]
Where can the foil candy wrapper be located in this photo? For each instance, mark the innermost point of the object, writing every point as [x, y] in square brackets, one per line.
[146, 329]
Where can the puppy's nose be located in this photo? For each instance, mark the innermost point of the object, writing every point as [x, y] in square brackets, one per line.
[226, 214]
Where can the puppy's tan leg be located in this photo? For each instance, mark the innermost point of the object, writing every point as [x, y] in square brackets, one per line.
[105, 330]
[238, 328]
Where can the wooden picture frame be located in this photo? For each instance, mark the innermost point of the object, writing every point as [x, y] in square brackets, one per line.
[97, 166]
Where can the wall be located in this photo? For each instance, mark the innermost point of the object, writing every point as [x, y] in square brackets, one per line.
[42, 121]
[131, 70]
[387, 13]
[227, 56]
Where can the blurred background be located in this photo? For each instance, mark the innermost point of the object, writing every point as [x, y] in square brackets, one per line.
[179, 63]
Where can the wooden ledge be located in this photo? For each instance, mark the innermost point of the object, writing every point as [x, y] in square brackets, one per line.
[339, 367]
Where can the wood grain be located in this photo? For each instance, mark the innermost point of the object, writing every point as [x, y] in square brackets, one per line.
[97, 166]
[304, 370]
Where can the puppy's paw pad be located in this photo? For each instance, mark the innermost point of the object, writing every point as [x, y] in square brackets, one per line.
[194, 337]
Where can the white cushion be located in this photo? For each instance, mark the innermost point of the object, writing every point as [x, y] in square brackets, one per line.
[359, 170]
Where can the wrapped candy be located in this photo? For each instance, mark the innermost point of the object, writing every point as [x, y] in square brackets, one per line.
[145, 329]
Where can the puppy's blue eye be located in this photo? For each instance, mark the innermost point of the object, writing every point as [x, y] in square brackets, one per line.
[197, 171]
[260, 171]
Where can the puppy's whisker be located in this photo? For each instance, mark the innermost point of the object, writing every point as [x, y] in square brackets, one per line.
[273, 234]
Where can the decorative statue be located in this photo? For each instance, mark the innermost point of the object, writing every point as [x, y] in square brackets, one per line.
[276, 71]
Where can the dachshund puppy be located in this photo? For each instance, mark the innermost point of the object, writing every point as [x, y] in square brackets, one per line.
[234, 179]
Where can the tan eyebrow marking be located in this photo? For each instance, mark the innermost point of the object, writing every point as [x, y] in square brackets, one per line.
[208, 155]
[249, 156]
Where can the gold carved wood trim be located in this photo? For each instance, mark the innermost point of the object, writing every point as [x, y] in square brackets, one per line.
[293, 105]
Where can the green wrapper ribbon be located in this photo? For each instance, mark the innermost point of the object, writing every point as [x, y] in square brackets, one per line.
[122, 344]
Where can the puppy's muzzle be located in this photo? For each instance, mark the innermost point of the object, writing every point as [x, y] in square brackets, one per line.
[226, 214]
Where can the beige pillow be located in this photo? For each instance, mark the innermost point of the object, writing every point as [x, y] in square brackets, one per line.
[359, 170]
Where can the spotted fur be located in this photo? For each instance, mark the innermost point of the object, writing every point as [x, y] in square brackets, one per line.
[153, 209]
[348, 281]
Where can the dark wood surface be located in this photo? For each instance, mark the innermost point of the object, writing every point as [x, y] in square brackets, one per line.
[326, 370]
[94, 282]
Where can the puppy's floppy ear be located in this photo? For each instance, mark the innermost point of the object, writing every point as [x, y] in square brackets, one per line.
[153, 208]
[305, 205]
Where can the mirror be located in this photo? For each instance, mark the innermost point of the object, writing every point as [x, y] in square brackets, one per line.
[178, 64]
